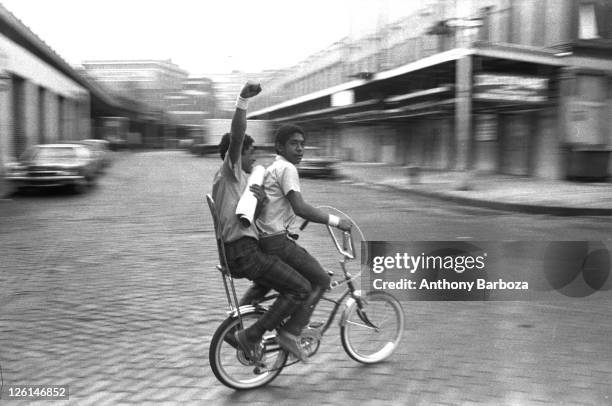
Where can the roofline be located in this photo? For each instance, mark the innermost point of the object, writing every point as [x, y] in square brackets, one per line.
[160, 62]
[309, 97]
[59, 144]
[436, 59]
[520, 53]
[543, 56]
[19, 33]
[419, 93]
[326, 110]
[432, 60]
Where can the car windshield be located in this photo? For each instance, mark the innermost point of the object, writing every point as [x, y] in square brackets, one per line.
[43, 154]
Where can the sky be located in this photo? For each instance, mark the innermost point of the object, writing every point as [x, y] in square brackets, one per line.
[202, 36]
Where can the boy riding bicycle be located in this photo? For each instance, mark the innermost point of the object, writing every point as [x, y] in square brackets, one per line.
[244, 257]
[285, 202]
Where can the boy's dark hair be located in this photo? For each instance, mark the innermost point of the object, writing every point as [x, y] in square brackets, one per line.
[225, 143]
[283, 133]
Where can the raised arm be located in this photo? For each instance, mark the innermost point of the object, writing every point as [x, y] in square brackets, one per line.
[239, 121]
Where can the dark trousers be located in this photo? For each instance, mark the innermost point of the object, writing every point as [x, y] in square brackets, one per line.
[299, 259]
[246, 260]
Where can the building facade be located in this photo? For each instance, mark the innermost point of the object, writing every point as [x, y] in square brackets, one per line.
[45, 100]
[166, 88]
[42, 100]
[519, 87]
[227, 86]
[193, 103]
[148, 81]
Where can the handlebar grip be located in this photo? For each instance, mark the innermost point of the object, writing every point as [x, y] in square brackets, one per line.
[304, 224]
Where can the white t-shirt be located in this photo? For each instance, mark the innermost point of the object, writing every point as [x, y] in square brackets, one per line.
[277, 214]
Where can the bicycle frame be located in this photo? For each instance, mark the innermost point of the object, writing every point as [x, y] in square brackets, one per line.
[346, 250]
[228, 281]
[225, 356]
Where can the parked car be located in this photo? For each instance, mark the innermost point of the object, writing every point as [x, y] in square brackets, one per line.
[315, 165]
[116, 143]
[101, 153]
[53, 165]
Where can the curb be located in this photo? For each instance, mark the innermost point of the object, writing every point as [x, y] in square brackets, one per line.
[496, 205]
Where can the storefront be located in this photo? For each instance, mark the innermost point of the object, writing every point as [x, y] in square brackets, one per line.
[509, 110]
[512, 111]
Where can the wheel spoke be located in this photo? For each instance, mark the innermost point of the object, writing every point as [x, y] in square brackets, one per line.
[354, 323]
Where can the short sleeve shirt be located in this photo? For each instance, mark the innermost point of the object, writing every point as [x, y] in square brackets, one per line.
[277, 214]
[229, 183]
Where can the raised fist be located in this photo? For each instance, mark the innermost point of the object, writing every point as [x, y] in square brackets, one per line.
[250, 89]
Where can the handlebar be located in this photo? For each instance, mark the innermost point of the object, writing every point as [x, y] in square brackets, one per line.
[347, 249]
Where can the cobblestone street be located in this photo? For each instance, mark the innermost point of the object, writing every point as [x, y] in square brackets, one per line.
[114, 293]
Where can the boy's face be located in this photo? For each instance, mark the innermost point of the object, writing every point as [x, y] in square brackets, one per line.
[248, 159]
[293, 149]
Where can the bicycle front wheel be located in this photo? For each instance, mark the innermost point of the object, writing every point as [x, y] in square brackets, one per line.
[232, 367]
[371, 333]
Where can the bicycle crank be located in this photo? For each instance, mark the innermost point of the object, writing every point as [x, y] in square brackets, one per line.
[310, 339]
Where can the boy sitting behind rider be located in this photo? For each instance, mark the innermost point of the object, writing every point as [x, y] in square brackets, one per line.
[244, 257]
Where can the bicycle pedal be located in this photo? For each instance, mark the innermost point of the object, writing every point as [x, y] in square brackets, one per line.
[258, 363]
[316, 325]
[260, 369]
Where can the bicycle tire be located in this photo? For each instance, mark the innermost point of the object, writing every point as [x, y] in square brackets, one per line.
[364, 343]
[231, 367]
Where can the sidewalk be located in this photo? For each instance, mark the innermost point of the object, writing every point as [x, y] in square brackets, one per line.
[501, 192]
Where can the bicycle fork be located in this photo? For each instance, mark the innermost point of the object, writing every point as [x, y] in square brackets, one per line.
[355, 298]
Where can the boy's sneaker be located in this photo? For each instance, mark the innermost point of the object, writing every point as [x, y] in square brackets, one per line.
[316, 325]
[252, 349]
[291, 343]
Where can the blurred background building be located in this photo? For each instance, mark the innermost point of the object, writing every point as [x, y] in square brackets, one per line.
[228, 85]
[521, 87]
[194, 102]
[190, 107]
[45, 100]
[42, 99]
[148, 81]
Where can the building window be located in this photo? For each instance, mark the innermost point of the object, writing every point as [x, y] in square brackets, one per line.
[42, 115]
[19, 119]
[587, 23]
[595, 19]
[61, 118]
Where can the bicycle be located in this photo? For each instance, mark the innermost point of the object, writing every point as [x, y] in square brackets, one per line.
[371, 325]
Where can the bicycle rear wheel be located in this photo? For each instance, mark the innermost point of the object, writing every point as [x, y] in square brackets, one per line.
[371, 334]
[231, 366]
